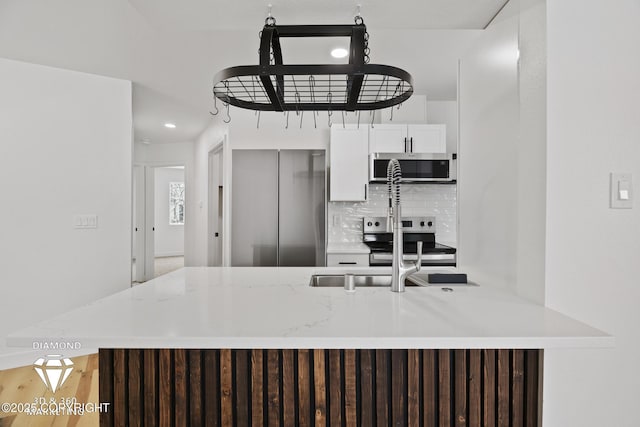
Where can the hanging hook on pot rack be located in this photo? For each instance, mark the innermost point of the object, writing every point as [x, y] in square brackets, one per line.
[215, 105]
[312, 84]
[329, 112]
[228, 119]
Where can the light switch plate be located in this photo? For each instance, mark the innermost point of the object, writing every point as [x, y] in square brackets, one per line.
[85, 221]
[621, 191]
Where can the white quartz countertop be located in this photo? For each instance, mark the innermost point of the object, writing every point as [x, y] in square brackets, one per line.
[348, 248]
[276, 308]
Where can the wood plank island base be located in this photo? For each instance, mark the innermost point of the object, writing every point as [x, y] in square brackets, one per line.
[288, 387]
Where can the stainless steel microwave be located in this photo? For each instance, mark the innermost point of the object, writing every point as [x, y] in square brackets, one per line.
[415, 167]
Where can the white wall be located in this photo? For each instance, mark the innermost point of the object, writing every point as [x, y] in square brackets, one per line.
[197, 240]
[489, 125]
[592, 251]
[445, 112]
[66, 150]
[531, 195]
[168, 238]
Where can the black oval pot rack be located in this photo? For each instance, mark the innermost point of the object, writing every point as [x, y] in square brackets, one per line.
[274, 86]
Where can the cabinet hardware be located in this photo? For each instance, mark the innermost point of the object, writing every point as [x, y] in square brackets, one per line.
[347, 263]
[411, 144]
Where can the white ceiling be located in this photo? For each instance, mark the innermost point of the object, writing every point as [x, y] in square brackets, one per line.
[170, 50]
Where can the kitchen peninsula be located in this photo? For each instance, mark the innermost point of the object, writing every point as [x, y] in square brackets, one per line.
[259, 345]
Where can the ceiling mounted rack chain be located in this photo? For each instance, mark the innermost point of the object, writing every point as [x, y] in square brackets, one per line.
[275, 86]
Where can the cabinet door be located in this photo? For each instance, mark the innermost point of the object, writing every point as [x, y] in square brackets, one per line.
[348, 158]
[388, 139]
[427, 138]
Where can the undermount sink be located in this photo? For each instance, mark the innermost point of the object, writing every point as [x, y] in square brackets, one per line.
[376, 280]
[360, 280]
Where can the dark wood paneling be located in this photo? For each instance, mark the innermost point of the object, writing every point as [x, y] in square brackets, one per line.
[350, 388]
[242, 388]
[136, 397]
[181, 389]
[367, 390]
[150, 376]
[305, 408]
[430, 388]
[448, 388]
[320, 388]
[335, 388]
[460, 388]
[196, 380]
[165, 396]
[532, 360]
[382, 387]
[475, 388]
[517, 389]
[105, 388]
[413, 388]
[444, 386]
[504, 398]
[288, 388]
[398, 388]
[211, 366]
[273, 388]
[226, 387]
[257, 388]
[490, 390]
[120, 387]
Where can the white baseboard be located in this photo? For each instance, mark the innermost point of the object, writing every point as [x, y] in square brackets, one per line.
[168, 254]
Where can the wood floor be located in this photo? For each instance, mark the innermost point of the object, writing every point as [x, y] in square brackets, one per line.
[22, 385]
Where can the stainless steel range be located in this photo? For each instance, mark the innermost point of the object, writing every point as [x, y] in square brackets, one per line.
[415, 229]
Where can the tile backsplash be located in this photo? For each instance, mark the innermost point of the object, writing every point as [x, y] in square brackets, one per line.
[345, 218]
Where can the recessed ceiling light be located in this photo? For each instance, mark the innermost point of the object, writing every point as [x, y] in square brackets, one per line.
[170, 125]
[339, 52]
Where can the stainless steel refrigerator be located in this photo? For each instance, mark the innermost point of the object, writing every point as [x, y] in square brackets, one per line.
[278, 208]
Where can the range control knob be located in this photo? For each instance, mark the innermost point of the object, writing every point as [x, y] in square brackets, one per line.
[377, 224]
[369, 224]
[430, 223]
[421, 223]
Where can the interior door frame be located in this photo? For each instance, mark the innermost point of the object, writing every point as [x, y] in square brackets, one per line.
[148, 226]
[138, 222]
[215, 256]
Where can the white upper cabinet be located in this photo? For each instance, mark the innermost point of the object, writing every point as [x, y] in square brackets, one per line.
[388, 139]
[348, 159]
[417, 138]
[427, 138]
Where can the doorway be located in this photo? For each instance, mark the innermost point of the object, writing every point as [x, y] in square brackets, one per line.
[159, 220]
[216, 196]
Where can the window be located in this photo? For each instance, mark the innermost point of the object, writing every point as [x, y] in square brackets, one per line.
[176, 203]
